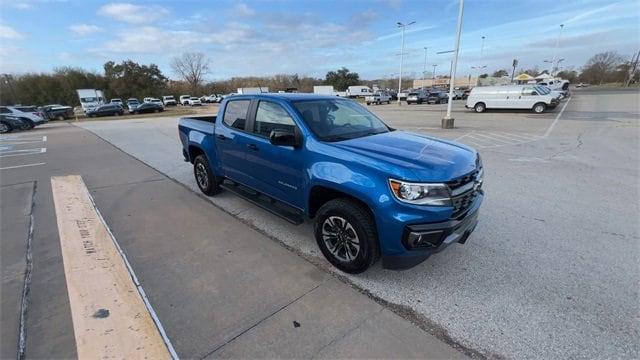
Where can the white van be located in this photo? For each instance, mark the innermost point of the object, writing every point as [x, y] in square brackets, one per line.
[533, 97]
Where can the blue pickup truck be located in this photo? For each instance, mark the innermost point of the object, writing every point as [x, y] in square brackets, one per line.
[373, 191]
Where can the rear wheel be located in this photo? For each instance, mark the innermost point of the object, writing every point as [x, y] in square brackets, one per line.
[480, 107]
[539, 108]
[60, 117]
[208, 183]
[5, 127]
[346, 235]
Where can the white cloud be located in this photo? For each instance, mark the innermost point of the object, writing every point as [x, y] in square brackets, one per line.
[133, 14]
[84, 29]
[7, 32]
[243, 10]
[22, 6]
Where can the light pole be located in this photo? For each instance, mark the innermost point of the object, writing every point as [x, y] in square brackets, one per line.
[424, 68]
[478, 68]
[447, 121]
[402, 26]
[434, 72]
[555, 55]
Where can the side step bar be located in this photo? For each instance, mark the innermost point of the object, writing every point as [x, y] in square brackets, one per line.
[273, 206]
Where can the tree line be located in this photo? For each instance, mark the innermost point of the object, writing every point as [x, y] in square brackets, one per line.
[130, 79]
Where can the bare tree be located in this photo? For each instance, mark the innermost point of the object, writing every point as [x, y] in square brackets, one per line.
[192, 68]
[600, 67]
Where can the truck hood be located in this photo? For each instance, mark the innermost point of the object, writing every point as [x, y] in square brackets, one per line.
[417, 157]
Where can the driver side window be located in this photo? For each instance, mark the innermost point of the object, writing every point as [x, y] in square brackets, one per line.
[271, 116]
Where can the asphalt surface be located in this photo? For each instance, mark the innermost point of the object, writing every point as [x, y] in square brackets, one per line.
[219, 288]
[552, 270]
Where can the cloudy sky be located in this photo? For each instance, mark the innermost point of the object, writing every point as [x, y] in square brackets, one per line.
[310, 37]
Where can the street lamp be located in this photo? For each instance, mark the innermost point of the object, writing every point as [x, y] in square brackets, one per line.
[424, 68]
[434, 71]
[402, 27]
[447, 121]
[555, 55]
[480, 67]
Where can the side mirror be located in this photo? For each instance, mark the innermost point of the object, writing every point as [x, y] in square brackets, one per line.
[284, 138]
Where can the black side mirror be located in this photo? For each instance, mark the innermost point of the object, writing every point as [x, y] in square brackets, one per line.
[284, 138]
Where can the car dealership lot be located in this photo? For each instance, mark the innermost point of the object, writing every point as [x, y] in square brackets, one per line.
[552, 269]
[550, 272]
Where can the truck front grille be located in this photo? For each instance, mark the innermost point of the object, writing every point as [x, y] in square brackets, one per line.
[463, 201]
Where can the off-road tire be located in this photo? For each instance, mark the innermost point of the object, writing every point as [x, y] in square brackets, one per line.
[362, 222]
[210, 185]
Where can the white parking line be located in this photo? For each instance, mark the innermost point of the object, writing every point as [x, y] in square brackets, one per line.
[22, 152]
[21, 166]
[553, 124]
[23, 140]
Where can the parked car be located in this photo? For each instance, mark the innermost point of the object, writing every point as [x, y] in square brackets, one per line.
[157, 101]
[168, 100]
[57, 112]
[24, 113]
[438, 97]
[194, 101]
[458, 94]
[416, 98]
[582, 85]
[9, 123]
[377, 98]
[213, 98]
[148, 107]
[106, 110]
[117, 101]
[372, 190]
[511, 97]
[132, 104]
[147, 99]
[465, 94]
[184, 99]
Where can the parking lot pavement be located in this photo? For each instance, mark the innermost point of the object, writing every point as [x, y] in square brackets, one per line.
[551, 270]
[219, 288]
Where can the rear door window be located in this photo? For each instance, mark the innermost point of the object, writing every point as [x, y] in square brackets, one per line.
[235, 114]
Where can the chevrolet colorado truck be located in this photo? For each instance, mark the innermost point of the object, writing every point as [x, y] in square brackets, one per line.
[372, 191]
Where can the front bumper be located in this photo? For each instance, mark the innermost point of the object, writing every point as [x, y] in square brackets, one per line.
[436, 237]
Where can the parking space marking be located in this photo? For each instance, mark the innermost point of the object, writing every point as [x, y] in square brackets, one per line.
[22, 152]
[110, 313]
[553, 124]
[23, 140]
[21, 166]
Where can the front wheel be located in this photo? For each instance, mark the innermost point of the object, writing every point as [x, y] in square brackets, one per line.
[5, 128]
[539, 108]
[206, 180]
[479, 107]
[346, 235]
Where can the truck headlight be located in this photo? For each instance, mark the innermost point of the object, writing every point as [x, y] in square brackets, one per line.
[421, 193]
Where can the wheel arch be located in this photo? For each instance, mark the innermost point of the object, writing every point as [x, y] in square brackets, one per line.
[322, 194]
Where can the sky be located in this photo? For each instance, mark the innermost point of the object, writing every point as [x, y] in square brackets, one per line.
[311, 37]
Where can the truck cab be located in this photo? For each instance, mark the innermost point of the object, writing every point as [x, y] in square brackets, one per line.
[372, 191]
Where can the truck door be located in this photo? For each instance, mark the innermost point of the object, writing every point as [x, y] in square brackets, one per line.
[276, 170]
[231, 140]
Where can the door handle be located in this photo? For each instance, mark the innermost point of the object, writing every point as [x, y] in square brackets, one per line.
[252, 147]
[222, 137]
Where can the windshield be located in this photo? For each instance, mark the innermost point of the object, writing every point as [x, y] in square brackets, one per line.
[338, 119]
[88, 99]
[413, 94]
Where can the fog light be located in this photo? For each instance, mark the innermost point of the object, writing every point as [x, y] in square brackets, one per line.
[424, 239]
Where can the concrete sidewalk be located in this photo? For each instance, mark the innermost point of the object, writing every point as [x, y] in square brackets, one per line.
[219, 287]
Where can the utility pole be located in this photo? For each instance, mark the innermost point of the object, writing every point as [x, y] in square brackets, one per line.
[424, 68]
[401, 26]
[434, 72]
[480, 65]
[447, 121]
[513, 72]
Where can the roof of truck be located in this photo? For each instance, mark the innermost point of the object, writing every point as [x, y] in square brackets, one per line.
[287, 96]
